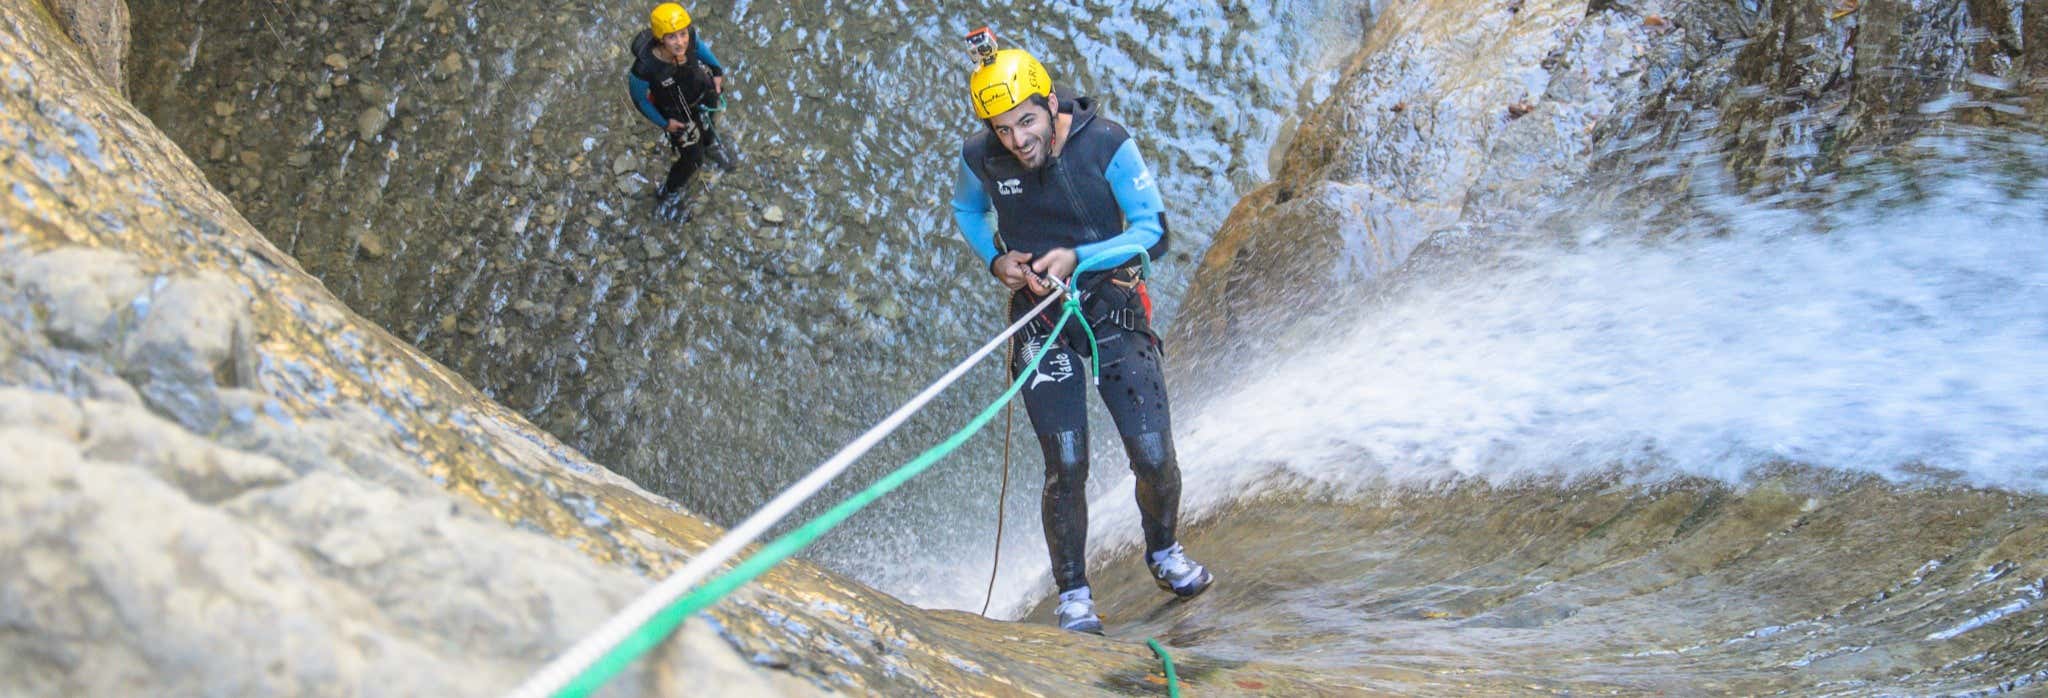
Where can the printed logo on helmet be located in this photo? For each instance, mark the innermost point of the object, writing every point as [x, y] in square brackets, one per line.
[996, 98]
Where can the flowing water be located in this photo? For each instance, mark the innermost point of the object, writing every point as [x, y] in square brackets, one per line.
[1791, 443]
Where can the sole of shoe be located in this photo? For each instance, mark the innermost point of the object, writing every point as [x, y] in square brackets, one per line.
[1199, 587]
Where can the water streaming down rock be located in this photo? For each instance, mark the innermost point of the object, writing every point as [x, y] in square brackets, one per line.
[1778, 449]
[1645, 435]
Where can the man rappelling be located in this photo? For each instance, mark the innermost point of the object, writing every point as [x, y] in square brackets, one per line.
[1065, 183]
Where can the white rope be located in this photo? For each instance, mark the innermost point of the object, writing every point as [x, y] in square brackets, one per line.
[565, 668]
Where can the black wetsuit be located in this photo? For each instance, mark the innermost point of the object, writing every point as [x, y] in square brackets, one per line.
[676, 90]
[1094, 191]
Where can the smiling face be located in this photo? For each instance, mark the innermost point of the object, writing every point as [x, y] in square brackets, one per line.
[677, 43]
[1027, 131]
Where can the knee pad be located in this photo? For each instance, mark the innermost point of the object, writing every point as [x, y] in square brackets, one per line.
[1066, 457]
[1150, 452]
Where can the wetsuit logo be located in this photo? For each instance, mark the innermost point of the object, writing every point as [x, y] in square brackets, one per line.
[1010, 187]
[1056, 368]
[1143, 180]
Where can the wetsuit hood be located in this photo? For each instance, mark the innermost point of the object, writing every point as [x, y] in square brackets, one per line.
[1081, 108]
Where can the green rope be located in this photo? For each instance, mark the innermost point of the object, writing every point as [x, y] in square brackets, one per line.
[658, 628]
[1166, 660]
[1073, 305]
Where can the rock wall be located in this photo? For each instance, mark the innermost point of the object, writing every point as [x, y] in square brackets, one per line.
[473, 179]
[217, 479]
[100, 28]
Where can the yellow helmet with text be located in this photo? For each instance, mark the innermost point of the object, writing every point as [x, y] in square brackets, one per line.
[668, 18]
[1011, 78]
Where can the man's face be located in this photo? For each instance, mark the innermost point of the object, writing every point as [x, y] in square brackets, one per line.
[1026, 131]
[677, 42]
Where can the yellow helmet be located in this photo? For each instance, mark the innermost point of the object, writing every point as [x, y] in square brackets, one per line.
[668, 18]
[1007, 80]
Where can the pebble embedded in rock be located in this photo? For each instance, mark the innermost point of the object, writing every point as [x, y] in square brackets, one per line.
[371, 122]
[369, 245]
[336, 61]
[449, 65]
[773, 215]
[890, 309]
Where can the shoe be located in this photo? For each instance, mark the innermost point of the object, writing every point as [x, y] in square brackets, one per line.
[1174, 571]
[721, 155]
[1076, 612]
[671, 208]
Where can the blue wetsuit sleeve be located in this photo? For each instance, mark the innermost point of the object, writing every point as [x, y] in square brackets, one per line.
[703, 51]
[976, 216]
[637, 88]
[1137, 194]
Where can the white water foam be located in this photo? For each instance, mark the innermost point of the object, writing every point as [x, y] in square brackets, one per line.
[1900, 341]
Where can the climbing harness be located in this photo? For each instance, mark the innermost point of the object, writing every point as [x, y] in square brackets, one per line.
[649, 620]
[1073, 304]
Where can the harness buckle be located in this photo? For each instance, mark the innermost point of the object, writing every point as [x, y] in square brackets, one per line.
[1125, 317]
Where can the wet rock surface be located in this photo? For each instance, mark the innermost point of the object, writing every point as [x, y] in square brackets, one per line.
[1797, 582]
[100, 29]
[221, 480]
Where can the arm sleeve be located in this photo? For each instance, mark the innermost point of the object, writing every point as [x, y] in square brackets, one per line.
[703, 51]
[972, 210]
[637, 88]
[1137, 194]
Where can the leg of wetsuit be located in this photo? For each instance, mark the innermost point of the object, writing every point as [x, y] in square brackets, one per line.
[719, 153]
[1063, 507]
[1056, 401]
[688, 159]
[1134, 390]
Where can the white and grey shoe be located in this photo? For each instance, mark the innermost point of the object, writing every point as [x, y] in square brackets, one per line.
[1174, 571]
[722, 156]
[1076, 612]
[671, 207]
